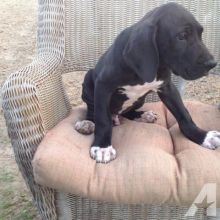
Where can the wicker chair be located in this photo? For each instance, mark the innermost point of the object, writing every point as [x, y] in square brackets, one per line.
[72, 34]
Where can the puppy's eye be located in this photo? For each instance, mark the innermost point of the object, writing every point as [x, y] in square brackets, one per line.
[182, 36]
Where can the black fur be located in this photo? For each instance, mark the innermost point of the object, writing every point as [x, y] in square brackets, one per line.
[166, 39]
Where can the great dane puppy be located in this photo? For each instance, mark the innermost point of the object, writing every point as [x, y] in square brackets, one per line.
[167, 39]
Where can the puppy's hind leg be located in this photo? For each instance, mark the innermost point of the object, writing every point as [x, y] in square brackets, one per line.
[140, 116]
[87, 126]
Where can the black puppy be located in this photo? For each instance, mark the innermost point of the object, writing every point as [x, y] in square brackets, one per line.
[141, 60]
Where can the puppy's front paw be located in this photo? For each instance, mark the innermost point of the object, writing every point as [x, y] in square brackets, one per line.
[148, 117]
[102, 155]
[212, 140]
[85, 127]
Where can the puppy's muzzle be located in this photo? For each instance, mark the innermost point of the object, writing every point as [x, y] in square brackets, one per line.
[210, 64]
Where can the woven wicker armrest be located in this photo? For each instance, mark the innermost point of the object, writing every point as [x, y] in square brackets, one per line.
[33, 102]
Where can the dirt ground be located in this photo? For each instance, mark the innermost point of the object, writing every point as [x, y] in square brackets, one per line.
[17, 48]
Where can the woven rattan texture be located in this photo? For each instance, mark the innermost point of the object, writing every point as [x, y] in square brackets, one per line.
[72, 34]
[74, 207]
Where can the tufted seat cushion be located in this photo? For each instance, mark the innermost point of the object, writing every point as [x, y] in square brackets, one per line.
[155, 163]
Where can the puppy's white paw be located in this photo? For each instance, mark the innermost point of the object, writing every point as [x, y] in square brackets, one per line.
[103, 155]
[85, 127]
[212, 140]
[148, 117]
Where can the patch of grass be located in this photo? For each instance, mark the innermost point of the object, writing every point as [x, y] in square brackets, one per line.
[4, 136]
[16, 209]
[26, 212]
[5, 209]
[6, 176]
[14, 204]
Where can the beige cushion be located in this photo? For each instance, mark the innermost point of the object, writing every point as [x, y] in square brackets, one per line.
[155, 163]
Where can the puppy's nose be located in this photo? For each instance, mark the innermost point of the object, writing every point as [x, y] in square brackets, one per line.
[210, 64]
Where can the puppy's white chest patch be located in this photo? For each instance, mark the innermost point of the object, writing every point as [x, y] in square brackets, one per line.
[137, 91]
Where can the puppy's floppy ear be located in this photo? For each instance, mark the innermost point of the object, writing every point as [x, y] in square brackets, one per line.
[141, 53]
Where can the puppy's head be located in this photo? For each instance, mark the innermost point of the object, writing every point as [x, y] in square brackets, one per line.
[180, 45]
[170, 36]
